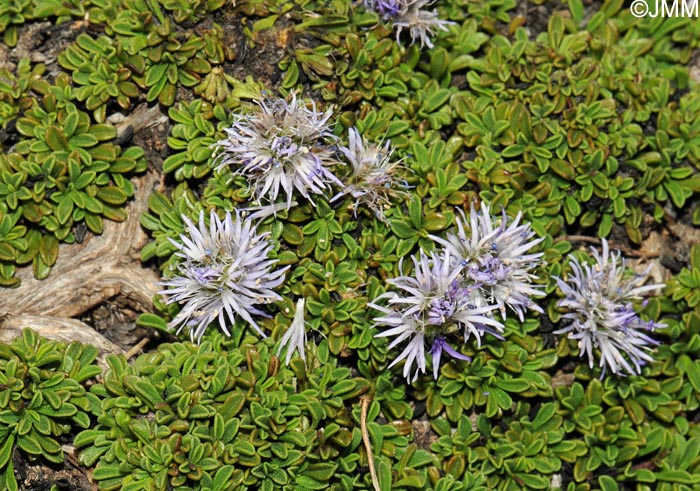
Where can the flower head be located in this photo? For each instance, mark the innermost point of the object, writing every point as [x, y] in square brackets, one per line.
[225, 273]
[294, 338]
[373, 181]
[431, 304]
[493, 258]
[281, 147]
[599, 299]
[387, 9]
[409, 14]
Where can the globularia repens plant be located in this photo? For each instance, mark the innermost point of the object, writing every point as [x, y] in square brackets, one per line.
[42, 399]
[281, 147]
[375, 177]
[455, 290]
[224, 273]
[600, 313]
[356, 188]
[409, 14]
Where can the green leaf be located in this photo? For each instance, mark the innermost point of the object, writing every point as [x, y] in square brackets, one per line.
[83, 141]
[383, 474]
[244, 448]
[607, 483]
[512, 385]
[403, 230]
[405, 246]
[94, 223]
[513, 151]
[677, 476]
[532, 481]
[605, 226]
[544, 415]
[415, 212]
[577, 11]
[152, 320]
[304, 482]
[71, 123]
[175, 161]
[103, 472]
[91, 455]
[144, 390]
[29, 444]
[155, 74]
[9, 475]
[41, 270]
[436, 100]
[105, 152]
[503, 399]
[6, 450]
[112, 195]
[55, 139]
[66, 410]
[50, 447]
[48, 249]
[64, 209]
[693, 372]
[222, 477]
[7, 252]
[103, 132]
[321, 471]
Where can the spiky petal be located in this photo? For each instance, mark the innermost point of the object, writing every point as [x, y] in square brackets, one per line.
[224, 273]
[294, 338]
[440, 345]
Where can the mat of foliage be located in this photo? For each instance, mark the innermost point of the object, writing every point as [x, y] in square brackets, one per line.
[578, 114]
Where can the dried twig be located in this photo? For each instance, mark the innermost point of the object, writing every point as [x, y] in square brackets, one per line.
[137, 347]
[364, 405]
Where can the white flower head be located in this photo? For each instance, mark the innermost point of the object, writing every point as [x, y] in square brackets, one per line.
[493, 257]
[294, 338]
[225, 273]
[282, 147]
[409, 14]
[431, 304]
[600, 299]
[374, 179]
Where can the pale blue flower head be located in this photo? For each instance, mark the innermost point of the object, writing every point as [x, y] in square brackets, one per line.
[224, 273]
[599, 299]
[492, 254]
[410, 15]
[374, 179]
[430, 305]
[282, 147]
